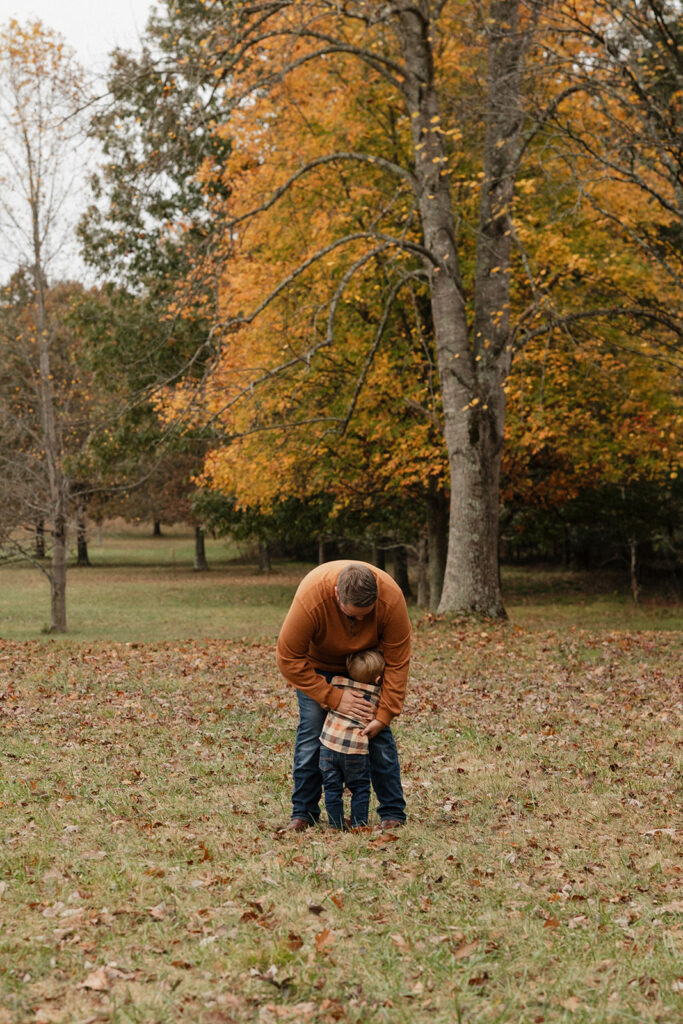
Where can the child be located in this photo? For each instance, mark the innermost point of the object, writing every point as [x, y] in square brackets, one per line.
[344, 751]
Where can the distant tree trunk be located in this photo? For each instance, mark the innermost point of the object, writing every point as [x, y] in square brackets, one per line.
[156, 530]
[58, 571]
[401, 570]
[379, 555]
[321, 550]
[437, 531]
[40, 539]
[200, 562]
[81, 537]
[422, 572]
[264, 563]
[635, 588]
[57, 482]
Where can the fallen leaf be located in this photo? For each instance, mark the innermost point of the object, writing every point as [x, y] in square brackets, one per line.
[47, 1015]
[480, 979]
[465, 949]
[324, 939]
[675, 907]
[97, 980]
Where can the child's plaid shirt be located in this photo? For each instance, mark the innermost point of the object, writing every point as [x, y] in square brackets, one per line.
[343, 733]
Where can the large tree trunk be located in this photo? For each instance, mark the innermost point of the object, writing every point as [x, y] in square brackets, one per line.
[472, 369]
[471, 581]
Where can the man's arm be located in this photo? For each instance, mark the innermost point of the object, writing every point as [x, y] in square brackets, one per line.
[395, 644]
[292, 657]
[294, 664]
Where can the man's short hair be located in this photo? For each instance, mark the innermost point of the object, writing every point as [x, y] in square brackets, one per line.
[365, 666]
[357, 586]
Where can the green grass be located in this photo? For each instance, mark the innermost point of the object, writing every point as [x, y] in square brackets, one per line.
[140, 588]
[538, 879]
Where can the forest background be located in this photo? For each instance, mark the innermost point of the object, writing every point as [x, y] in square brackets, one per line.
[372, 278]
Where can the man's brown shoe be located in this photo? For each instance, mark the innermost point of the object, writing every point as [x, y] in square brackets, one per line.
[391, 823]
[297, 825]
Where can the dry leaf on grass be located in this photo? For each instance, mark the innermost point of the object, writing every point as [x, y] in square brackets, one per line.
[324, 939]
[465, 949]
[158, 912]
[97, 980]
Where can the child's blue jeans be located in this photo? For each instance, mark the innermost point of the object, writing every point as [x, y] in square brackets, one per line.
[352, 770]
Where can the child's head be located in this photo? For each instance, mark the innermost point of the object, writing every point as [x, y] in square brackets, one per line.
[365, 666]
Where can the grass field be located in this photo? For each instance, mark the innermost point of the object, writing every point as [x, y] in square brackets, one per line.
[141, 588]
[144, 774]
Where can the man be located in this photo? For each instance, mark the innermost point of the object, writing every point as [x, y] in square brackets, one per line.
[341, 607]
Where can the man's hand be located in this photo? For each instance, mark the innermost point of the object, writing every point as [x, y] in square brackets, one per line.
[354, 706]
[372, 728]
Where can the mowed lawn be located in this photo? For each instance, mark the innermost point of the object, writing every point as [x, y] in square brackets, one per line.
[143, 879]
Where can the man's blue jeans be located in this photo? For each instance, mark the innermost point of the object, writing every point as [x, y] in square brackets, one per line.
[308, 781]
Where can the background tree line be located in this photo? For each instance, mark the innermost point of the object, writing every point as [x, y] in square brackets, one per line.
[396, 277]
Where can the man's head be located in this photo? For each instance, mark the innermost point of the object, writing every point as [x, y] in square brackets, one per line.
[365, 666]
[356, 591]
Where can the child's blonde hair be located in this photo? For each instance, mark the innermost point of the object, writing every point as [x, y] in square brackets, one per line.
[365, 666]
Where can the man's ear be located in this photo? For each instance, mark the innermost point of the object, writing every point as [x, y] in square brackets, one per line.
[336, 592]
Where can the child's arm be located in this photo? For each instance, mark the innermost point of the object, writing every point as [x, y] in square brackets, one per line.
[372, 728]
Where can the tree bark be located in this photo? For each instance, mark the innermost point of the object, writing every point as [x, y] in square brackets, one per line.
[379, 556]
[633, 564]
[58, 484]
[264, 562]
[472, 369]
[58, 571]
[401, 570]
[422, 572]
[200, 562]
[82, 558]
[40, 539]
[437, 539]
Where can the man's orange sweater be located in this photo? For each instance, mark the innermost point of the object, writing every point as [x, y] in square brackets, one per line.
[317, 635]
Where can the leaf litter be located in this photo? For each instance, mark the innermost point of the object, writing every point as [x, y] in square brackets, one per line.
[142, 789]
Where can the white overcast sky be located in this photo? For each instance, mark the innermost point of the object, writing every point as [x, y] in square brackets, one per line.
[92, 27]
